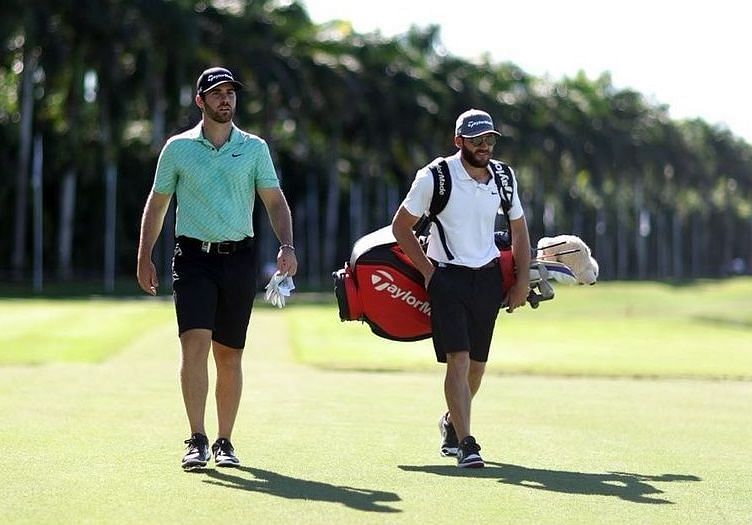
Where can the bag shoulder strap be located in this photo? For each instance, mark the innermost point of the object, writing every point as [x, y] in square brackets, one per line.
[504, 178]
[505, 182]
[442, 188]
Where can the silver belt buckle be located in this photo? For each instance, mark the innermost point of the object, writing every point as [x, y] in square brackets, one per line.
[206, 246]
[224, 251]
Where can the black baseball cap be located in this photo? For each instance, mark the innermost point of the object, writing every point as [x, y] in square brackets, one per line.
[213, 77]
[474, 123]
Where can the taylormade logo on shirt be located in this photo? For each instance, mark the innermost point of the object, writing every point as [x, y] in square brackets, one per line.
[382, 281]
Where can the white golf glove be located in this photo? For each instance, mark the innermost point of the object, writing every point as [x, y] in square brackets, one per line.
[279, 287]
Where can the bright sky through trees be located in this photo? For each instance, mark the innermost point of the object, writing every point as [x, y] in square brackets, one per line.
[692, 56]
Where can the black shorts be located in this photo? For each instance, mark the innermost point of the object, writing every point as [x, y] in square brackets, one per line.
[214, 291]
[464, 305]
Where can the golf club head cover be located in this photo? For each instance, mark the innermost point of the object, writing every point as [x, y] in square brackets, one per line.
[571, 251]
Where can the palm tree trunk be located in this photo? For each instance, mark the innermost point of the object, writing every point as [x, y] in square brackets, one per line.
[356, 207]
[642, 235]
[110, 210]
[65, 224]
[331, 223]
[663, 267]
[67, 197]
[642, 231]
[18, 259]
[677, 245]
[603, 250]
[110, 188]
[728, 236]
[622, 244]
[549, 219]
[696, 246]
[38, 209]
[537, 206]
[313, 251]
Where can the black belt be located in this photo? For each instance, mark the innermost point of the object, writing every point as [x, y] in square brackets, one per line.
[217, 248]
[490, 264]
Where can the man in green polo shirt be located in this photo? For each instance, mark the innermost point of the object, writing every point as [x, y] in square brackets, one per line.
[215, 171]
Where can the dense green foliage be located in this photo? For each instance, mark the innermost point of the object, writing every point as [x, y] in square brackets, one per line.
[94, 87]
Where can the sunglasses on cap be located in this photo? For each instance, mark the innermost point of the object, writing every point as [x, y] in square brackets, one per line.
[489, 139]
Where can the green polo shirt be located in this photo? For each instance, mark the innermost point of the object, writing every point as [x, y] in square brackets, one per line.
[215, 188]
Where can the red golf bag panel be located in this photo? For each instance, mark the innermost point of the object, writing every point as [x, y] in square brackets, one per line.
[381, 287]
[350, 307]
[506, 265]
[506, 262]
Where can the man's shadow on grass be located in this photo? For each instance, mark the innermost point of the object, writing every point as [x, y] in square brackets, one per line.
[266, 482]
[636, 488]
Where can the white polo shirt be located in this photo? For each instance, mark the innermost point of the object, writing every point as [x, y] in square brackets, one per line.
[468, 218]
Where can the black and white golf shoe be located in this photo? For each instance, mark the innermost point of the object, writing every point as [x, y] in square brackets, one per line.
[224, 454]
[449, 441]
[467, 454]
[197, 453]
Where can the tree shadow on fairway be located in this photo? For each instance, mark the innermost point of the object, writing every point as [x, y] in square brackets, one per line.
[636, 488]
[267, 482]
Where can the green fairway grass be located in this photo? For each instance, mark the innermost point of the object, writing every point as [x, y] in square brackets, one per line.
[622, 329]
[41, 331]
[100, 440]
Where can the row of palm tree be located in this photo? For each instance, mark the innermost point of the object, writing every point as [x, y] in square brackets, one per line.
[90, 90]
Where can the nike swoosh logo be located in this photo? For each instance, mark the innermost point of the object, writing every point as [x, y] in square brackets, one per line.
[236, 154]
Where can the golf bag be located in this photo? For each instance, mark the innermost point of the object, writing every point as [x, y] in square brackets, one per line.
[380, 285]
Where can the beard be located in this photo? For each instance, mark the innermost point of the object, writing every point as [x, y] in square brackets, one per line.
[218, 116]
[471, 158]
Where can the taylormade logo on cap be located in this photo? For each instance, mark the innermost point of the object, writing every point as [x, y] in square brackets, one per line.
[213, 77]
[473, 123]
